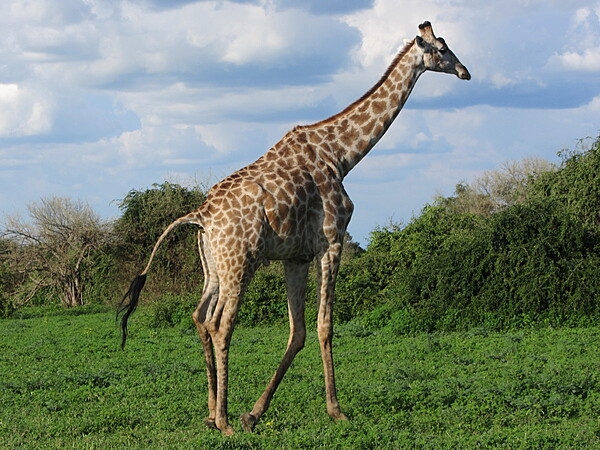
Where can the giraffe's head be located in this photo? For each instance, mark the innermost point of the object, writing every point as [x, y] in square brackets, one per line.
[437, 56]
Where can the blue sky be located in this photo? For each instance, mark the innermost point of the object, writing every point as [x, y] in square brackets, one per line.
[98, 97]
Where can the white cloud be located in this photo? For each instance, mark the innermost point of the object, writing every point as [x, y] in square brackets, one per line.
[27, 10]
[262, 39]
[594, 105]
[23, 111]
[588, 60]
[500, 80]
[99, 97]
[385, 26]
[582, 49]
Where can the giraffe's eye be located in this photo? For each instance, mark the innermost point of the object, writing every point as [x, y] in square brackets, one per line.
[443, 50]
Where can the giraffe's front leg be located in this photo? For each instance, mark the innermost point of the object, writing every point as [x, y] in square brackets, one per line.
[296, 275]
[328, 272]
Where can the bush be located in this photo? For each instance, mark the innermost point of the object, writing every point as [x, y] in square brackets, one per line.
[172, 310]
[265, 300]
[145, 215]
[577, 184]
[531, 262]
[360, 283]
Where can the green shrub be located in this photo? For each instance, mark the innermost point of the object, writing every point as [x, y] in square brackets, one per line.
[172, 310]
[265, 299]
[145, 215]
[101, 278]
[532, 260]
[360, 283]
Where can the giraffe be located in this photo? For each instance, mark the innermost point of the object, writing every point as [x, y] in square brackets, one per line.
[290, 205]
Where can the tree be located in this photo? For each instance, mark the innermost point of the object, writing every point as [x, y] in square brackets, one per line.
[495, 190]
[52, 252]
[145, 215]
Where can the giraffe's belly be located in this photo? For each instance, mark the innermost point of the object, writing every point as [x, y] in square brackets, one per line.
[289, 247]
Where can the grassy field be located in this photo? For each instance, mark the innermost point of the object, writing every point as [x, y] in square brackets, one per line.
[64, 383]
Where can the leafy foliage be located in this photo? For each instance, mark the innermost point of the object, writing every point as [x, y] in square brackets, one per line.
[510, 267]
[497, 189]
[577, 184]
[146, 214]
[532, 259]
[265, 300]
[173, 311]
[9, 279]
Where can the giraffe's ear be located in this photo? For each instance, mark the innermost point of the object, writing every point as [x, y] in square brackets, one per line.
[421, 42]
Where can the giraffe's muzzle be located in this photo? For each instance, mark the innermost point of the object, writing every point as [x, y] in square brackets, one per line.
[462, 72]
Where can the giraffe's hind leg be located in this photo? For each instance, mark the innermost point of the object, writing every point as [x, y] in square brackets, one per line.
[295, 276]
[200, 316]
[233, 277]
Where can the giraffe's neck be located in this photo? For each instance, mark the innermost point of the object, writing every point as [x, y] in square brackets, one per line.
[348, 136]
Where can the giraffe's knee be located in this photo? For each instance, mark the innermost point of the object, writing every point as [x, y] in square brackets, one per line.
[204, 312]
[298, 340]
[325, 331]
[202, 325]
[203, 333]
[197, 317]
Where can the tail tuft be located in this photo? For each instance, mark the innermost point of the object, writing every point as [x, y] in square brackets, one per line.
[134, 296]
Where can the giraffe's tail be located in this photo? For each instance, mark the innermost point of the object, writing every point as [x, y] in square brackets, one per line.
[133, 294]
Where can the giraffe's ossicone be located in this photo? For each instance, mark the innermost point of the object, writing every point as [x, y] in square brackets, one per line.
[290, 205]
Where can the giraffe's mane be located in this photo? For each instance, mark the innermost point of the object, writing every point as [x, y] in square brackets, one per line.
[384, 77]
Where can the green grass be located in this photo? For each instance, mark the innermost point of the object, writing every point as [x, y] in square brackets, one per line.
[64, 383]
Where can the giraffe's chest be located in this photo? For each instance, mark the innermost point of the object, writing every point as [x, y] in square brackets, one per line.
[302, 217]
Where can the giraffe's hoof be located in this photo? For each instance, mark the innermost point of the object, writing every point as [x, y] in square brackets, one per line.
[248, 422]
[224, 427]
[228, 431]
[210, 423]
[338, 415]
